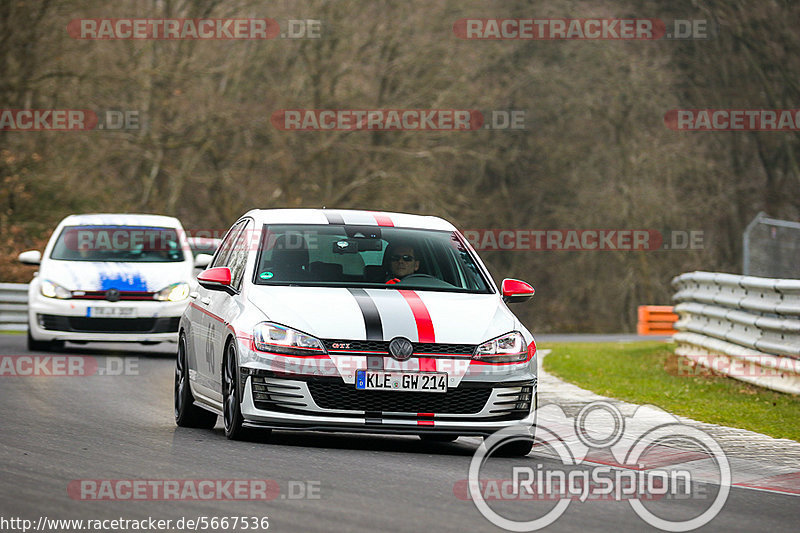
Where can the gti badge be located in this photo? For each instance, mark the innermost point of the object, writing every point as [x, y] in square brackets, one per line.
[401, 348]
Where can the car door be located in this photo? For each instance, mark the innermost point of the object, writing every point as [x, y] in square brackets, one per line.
[205, 324]
[226, 305]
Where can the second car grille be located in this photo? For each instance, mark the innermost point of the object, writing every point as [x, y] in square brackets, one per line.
[109, 325]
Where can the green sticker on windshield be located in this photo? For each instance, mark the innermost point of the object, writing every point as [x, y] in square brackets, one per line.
[265, 275]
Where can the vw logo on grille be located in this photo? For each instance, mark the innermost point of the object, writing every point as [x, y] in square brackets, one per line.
[401, 348]
[112, 295]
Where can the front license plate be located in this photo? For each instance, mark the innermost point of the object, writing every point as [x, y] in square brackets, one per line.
[401, 381]
[119, 312]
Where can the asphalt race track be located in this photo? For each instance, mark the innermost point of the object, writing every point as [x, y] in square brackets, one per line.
[56, 430]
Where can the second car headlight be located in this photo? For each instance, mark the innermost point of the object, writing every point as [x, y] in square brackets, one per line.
[508, 348]
[173, 293]
[269, 337]
[54, 290]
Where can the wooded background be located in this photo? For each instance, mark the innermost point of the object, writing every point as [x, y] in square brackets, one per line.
[595, 154]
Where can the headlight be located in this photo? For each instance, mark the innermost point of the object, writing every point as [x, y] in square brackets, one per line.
[54, 290]
[280, 339]
[508, 348]
[173, 293]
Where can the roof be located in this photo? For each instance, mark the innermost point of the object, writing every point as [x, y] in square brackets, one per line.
[348, 217]
[122, 219]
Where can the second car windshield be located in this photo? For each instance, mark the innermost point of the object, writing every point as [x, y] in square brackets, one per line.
[130, 244]
[366, 256]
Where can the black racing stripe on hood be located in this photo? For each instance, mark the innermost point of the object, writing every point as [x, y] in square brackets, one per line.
[334, 218]
[372, 319]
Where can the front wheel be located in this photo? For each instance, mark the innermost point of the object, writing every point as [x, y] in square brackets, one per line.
[187, 414]
[43, 346]
[232, 399]
[517, 448]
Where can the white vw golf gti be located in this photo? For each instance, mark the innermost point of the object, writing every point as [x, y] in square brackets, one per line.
[350, 321]
[110, 278]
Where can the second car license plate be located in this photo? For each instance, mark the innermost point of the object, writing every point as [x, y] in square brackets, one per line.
[401, 381]
[119, 312]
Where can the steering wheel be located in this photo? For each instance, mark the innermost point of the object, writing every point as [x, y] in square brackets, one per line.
[418, 276]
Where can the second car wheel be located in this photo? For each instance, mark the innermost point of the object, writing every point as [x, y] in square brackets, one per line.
[43, 346]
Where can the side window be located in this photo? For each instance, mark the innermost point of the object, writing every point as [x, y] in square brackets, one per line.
[238, 257]
[221, 258]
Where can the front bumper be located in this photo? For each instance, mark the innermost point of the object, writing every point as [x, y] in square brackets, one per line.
[330, 404]
[72, 320]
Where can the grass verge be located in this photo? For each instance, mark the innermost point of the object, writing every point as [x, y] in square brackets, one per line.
[647, 373]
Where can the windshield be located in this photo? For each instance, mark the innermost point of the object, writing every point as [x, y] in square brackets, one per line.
[129, 244]
[366, 256]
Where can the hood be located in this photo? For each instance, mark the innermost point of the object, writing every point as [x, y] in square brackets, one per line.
[102, 276]
[382, 314]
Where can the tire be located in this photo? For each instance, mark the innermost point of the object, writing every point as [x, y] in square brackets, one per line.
[517, 448]
[232, 399]
[43, 346]
[187, 414]
[438, 438]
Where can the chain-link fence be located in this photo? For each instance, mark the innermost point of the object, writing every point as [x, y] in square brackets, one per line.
[772, 248]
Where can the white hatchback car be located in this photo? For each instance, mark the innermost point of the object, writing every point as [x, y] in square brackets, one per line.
[354, 321]
[110, 277]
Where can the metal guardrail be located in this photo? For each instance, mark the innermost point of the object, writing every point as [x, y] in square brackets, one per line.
[13, 306]
[743, 326]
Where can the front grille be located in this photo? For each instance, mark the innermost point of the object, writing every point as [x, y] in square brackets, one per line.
[420, 348]
[123, 295]
[341, 396]
[109, 325]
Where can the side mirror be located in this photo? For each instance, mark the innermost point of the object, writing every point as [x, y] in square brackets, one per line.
[515, 291]
[202, 260]
[218, 278]
[31, 257]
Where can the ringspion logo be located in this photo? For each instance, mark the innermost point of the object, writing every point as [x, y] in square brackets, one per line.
[637, 467]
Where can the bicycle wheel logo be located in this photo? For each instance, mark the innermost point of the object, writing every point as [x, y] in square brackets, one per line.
[635, 450]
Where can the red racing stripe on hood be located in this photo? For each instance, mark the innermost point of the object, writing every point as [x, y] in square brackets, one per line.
[424, 326]
[421, 315]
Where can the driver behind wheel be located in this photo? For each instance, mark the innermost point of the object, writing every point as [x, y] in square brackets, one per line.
[402, 262]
